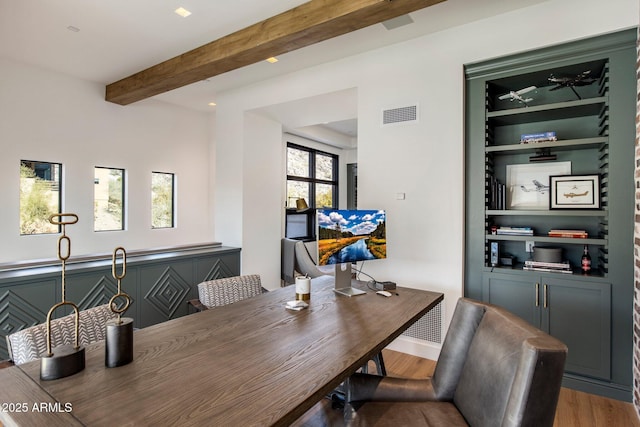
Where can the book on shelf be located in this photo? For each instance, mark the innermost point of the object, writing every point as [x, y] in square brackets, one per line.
[548, 270]
[543, 264]
[496, 194]
[552, 267]
[515, 231]
[532, 138]
[576, 234]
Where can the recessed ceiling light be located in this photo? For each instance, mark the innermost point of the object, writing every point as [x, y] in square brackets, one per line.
[182, 12]
[212, 104]
[272, 60]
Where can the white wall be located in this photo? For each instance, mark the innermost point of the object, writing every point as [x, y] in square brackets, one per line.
[261, 197]
[51, 117]
[424, 160]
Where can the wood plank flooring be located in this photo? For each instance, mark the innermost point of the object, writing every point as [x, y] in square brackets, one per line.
[575, 409]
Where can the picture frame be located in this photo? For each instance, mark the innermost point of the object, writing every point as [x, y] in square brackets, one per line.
[528, 184]
[574, 192]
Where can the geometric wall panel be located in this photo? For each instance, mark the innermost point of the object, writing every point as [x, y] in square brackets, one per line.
[16, 314]
[99, 294]
[165, 276]
[219, 270]
[168, 293]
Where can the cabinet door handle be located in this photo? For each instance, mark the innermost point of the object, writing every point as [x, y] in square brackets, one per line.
[546, 302]
[537, 294]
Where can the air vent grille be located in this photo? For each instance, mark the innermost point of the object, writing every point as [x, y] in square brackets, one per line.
[400, 115]
[429, 326]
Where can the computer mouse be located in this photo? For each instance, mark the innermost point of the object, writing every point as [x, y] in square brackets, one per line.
[384, 293]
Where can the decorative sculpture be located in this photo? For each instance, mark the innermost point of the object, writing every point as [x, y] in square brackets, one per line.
[119, 342]
[66, 359]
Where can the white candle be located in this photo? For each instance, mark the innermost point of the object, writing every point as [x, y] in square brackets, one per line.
[303, 288]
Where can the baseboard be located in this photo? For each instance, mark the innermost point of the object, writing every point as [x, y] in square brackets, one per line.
[600, 388]
[416, 347]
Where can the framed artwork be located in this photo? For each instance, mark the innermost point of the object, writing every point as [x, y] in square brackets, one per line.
[528, 184]
[575, 192]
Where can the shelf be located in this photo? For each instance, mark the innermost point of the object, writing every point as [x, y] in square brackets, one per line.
[594, 275]
[517, 212]
[546, 239]
[562, 145]
[556, 111]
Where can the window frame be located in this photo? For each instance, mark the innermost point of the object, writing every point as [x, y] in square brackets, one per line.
[312, 181]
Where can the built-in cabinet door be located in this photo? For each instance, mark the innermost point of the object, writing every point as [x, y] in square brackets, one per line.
[575, 311]
[516, 293]
[579, 314]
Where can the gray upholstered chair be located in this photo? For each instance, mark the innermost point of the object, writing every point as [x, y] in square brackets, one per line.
[213, 293]
[494, 370]
[297, 259]
[28, 344]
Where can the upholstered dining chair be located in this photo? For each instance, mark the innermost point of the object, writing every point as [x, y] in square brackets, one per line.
[214, 293]
[494, 369]
[28, 344]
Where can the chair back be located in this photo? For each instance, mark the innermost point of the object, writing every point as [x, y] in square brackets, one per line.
[305, 263]
[28, 344]
[228, 290]
[500, 369]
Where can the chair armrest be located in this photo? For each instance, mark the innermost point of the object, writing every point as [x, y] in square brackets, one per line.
[197, 304]
[5, 363]
[365, 387]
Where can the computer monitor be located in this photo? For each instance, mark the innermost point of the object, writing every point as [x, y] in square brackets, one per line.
[346, 236]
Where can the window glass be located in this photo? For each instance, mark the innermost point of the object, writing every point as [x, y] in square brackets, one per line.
[298, 162]
[324, 167]
[40, 196]
[162, 199]
[324, 196]
[108, 199]
[297, 190]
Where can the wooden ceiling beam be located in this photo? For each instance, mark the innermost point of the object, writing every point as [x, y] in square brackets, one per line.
[309, 23]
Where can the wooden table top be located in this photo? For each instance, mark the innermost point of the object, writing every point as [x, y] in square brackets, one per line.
[249, 363]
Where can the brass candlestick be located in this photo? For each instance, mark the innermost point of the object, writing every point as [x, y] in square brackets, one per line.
[66, 359]
[119, 344]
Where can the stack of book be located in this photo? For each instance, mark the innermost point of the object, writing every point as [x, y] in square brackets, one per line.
[533, 138]
[554, 267]
[576, 234]
[497, 194]
[515, 231]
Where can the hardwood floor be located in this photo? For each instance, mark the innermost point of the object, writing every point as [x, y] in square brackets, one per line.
[575, 409]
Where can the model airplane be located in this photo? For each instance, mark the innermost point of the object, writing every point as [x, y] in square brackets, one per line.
[517, 95]
[540, 188]
[581, 79]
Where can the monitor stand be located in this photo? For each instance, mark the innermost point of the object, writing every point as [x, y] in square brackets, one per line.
[343, 281]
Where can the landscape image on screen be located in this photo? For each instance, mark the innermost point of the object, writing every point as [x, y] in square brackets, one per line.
[346, 236]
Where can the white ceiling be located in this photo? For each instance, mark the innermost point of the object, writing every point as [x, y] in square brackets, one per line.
[117, 38]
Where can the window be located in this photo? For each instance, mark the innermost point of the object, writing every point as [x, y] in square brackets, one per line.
[40, 196]
[312, 175]
[108, 199]
[162, 199]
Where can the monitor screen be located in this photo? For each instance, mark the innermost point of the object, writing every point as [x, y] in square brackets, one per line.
[347, 236]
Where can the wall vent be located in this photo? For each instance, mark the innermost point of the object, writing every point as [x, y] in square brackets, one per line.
[400, 115]
[429, 326]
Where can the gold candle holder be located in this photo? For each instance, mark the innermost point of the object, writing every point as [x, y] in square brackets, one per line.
[119, 341]
[67, 359]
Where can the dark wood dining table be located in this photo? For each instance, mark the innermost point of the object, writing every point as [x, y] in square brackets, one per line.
[251, 363]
